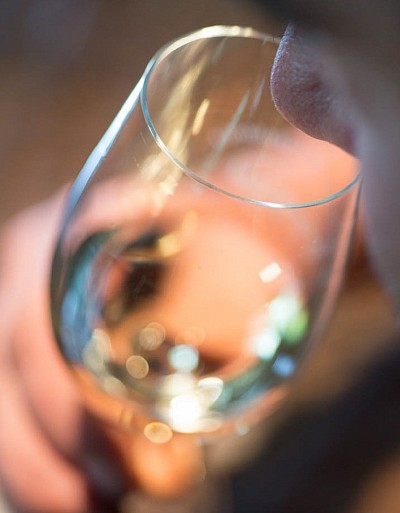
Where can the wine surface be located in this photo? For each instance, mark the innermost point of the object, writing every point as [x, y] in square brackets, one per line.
[193, 320]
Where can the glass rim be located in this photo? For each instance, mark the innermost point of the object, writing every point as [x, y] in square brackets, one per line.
[216, 31]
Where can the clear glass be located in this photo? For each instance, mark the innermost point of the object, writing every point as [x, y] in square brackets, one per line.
[202, 244]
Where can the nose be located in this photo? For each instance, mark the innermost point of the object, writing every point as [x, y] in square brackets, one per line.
[303, 94]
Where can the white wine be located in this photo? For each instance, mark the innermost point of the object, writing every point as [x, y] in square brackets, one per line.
[193, 320]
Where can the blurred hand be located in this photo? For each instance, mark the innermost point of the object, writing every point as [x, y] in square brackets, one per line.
[54, 455]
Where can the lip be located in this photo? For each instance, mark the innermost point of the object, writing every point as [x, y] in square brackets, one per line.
[303, 95]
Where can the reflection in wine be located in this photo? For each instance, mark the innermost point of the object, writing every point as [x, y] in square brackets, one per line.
[203, 305]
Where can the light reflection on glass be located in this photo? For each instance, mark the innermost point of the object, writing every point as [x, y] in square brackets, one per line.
[270, 272]
[284, 366]
[137, 366]
[183, 358]
[265, 343]
[97, 351]
[158, 432]
[200, 115]
[152, 336]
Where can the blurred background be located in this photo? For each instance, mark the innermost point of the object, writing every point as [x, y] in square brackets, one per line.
[66, 68]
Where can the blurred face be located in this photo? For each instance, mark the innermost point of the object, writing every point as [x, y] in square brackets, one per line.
[337, 76]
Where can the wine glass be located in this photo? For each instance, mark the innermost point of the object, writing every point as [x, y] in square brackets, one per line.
[202, 245]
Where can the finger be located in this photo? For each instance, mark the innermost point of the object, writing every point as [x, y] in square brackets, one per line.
[33, 473]
[46, 389]
[26, 247]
